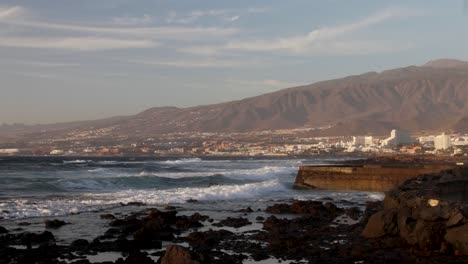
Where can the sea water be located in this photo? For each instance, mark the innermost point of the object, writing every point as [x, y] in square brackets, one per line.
[54, 186]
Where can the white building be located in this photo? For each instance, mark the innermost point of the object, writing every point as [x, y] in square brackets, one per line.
[426, 139]
[363, 141]
[9, 151]
[397, 137]
[56, 152]
[442, 142]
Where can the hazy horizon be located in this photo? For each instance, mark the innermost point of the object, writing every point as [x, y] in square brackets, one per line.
[88, 60]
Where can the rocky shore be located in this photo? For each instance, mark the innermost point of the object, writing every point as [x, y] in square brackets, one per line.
[423, 221]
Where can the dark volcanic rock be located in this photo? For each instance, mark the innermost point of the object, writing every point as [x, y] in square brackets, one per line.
[314, 208]
[246, 210]
[458, 237]
[178, 255]
[233, 222]
[107, 216]
[3, 230]
[54, 224]
[205, 241]
[418, 215]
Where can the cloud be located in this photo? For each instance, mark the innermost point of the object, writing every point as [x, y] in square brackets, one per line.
[32, 74]
[148, 32]
[41, 64]
[11, 12]
[131, 21]
[321, 39]
[26, 31]
[226, 15]
[336, 40]
[75, 43]
[201, 63]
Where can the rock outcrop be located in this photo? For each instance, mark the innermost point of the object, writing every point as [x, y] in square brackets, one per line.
[178, 255]
[425, 214]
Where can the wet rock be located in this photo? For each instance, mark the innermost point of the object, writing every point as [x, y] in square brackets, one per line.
[260, 218]
[107, 216]
[246, 210]
[192, 200]
[279, 209]
[313, 208]
[458, 238]
[205, 241]
[185, 222]
[54, 224]
[135, 204]
[199, 217]
[30, 239]
[233, 222]
[178, 255]
[353, 213]
[3, 230]
[79, 244]
[24, 224]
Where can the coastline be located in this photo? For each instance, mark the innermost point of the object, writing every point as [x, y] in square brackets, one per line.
[326, 228]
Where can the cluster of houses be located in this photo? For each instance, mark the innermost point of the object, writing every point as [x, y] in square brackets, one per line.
[401, 141]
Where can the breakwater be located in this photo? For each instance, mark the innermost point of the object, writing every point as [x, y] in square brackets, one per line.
[362, 177]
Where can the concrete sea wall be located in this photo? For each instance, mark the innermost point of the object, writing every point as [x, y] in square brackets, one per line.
[362, 178]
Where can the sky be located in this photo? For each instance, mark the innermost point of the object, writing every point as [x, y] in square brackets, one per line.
[67, 60]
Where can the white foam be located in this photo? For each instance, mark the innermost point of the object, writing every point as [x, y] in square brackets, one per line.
[264, 173]
[376, 196]
[76, 161]
[179, 161]
[181, 195]
[22, 208]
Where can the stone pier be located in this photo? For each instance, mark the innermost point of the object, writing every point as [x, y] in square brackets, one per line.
[362, 177]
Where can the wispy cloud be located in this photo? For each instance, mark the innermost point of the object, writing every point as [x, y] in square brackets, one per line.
[36, 74]
[125, 33]
[75, 43]
[131, 21]
[338, 40]
[211, 62]
[41, 64]
[318, 39]
[226, 15]
[11, 12]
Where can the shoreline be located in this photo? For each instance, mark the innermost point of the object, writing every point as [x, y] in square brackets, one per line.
[325, 229]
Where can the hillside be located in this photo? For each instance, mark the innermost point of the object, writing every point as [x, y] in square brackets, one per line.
[432, 97]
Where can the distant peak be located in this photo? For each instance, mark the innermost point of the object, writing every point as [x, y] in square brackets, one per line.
[445, 63]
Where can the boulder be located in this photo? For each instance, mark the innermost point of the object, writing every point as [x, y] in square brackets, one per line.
[54, 224]
[380, 224]
[433, 213]
[178, 255]
[429, 235]
[455, 219]
[3, 230]
[233, 222]
[458, 238]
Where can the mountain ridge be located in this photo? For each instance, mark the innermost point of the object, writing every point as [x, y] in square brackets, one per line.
[431, 97]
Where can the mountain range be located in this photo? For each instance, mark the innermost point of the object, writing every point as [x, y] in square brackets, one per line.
[432, 97]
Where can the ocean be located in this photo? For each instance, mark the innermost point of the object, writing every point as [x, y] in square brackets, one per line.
[55, 186]
[80, 191]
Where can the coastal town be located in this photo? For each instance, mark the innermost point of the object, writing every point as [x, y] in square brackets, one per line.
[276, 143]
